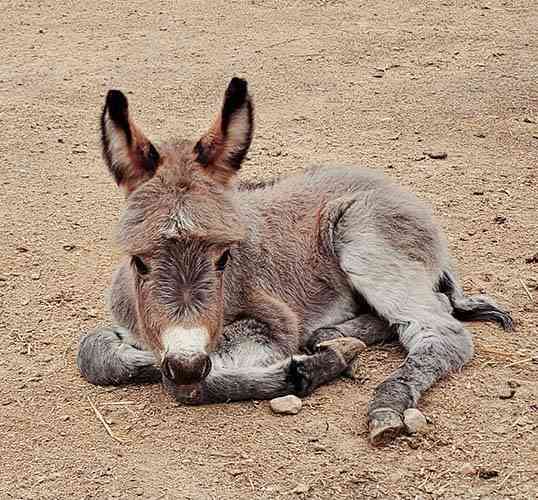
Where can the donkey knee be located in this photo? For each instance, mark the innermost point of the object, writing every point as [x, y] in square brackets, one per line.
[456, 347]
[449, 343]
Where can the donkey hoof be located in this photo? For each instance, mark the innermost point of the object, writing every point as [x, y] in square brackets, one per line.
[300, 376]
[385, 424]
[354, 370]
[348, 347]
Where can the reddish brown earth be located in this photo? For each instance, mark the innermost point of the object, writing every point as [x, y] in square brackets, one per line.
[376, 83]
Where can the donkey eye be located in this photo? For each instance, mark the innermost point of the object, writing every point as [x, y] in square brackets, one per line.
[221, 263]
[141, 268]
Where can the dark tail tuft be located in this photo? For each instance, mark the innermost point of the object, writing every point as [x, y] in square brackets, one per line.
[474, 308]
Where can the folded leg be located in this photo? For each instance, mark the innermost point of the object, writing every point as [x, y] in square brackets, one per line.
[110, 356]
[248, 367]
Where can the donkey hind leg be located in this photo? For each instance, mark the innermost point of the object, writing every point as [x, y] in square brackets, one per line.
[110, 356]
[247, 367]
[436, 342]
[366, 327]
[474, 308]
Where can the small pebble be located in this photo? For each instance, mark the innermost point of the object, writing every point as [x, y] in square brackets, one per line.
[301, 487]
[35, 276]
[468, 469]
[506, 391]
[437, 155]
[415, 422]
[487, 473]
[287, 405]
[92, 313]
[533, 259]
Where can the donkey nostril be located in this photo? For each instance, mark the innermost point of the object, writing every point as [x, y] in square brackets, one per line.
[186, 368]
[167, 369]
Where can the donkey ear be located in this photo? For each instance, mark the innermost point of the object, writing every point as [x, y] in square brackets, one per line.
[223, 148]
[130, 156]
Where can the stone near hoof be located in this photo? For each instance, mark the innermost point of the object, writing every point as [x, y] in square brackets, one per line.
[385, 425]
[348, 347]
[287, 405]
[415, 422]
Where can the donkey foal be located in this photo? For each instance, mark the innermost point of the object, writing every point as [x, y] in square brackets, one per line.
[227, 286]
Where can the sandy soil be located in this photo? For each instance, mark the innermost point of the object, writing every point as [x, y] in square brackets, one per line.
[376, 83]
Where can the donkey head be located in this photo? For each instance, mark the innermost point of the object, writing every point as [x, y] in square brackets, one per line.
[179, 226]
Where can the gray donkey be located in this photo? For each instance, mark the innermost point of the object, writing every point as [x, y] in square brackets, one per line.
[235, 291]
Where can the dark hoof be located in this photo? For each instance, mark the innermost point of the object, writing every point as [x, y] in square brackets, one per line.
[299, 375]
[384, 425]
[320, 336]
[347, 347]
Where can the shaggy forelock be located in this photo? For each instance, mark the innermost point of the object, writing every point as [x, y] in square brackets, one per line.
[185, 279]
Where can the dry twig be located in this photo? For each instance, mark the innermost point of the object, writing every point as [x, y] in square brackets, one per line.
[520, 362]
[103, 421]
[506, 478]
[526, 289]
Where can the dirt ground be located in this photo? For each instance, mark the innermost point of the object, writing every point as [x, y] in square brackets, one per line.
[377, 83]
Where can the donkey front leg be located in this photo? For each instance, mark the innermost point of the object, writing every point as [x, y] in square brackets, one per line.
[331, 359]
[110, 356]
[254, 370]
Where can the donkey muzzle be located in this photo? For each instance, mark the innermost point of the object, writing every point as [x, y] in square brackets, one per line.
[184, 368]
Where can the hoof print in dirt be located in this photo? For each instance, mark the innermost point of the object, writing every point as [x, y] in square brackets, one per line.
[286, 405]
[415, 422]
[384, 426]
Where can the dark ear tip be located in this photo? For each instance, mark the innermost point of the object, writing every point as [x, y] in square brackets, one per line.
[116, 103]
[238, 88]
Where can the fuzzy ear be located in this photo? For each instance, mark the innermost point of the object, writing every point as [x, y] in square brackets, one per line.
[223, 148]
[130, 156]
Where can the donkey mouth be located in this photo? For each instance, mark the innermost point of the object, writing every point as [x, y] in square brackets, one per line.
[190, 394]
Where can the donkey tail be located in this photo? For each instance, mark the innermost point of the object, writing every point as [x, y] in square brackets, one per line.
[475, 307]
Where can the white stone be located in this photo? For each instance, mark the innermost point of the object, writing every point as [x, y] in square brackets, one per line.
[288, 405]
[415, 422]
